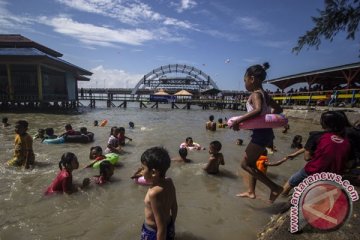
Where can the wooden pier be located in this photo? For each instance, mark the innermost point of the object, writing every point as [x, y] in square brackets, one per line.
[121, 101]
[121, 98]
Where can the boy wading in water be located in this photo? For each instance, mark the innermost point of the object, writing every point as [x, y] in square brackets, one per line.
[160, 200]
[259, 103]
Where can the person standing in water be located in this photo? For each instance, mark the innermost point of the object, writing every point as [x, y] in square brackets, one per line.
[210, 125]
[160, 200]
[259, 103]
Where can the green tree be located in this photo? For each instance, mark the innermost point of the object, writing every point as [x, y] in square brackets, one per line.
[339, 15]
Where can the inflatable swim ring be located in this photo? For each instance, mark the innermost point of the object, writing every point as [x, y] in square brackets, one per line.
[113, 158]
[195, 147]
[262, 121]
[141, 181]
[103, 123]
[260, 164]
[54, 141]
[83, 138]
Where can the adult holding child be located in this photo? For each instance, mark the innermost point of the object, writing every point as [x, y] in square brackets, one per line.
[259, 103]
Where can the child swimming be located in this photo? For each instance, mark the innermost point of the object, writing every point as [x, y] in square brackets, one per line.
[40, 134]
[221, 124]
[216, 158]
[239, 141]
[113, 145]
[50, 133]
[69, 130]
[5, 123]
[210, 125]
[182, 156]
[96, 153]
[121, 136]
[106, 171]
[63, 181]
[191, 145]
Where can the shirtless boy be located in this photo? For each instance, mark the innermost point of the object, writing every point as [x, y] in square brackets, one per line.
[216, 159]
[160, 200]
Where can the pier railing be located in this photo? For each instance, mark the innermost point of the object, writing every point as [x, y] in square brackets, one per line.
[345, 97]
[228, 100]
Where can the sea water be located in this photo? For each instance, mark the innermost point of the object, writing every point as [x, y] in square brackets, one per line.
[207, 205]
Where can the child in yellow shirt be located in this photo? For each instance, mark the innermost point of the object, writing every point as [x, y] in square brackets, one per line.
[23, 153]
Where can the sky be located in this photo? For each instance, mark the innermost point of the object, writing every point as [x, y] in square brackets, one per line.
[121, 40]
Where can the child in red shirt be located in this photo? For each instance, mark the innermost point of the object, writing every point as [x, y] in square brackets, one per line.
[63, 181]
[325, 151]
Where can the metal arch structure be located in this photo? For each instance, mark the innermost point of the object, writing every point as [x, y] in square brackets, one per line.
[195, 79]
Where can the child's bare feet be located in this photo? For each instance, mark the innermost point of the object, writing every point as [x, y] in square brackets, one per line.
[275, 194]
[247, 195]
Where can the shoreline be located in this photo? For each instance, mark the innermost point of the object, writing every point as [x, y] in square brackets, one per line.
[313, 114]
[277, 228]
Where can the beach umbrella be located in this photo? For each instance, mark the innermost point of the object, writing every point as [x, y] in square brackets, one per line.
[183, 93]
[161, 92]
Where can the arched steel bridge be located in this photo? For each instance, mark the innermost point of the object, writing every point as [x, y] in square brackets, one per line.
[192, 79]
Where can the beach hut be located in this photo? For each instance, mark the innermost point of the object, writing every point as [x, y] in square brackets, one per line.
[31, 73]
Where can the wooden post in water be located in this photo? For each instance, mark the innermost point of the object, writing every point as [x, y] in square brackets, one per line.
[156, 105]
[124, 104]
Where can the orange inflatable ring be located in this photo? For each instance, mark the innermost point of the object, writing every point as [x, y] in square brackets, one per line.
[103, 123]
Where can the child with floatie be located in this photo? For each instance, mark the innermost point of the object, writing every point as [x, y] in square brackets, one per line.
[259, 103]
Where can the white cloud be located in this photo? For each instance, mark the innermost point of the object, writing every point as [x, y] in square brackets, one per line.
[9, 22]
[184, 5]
[177, 23]
[111, 78]
[129, 12]
[96, 35]
[252, 24]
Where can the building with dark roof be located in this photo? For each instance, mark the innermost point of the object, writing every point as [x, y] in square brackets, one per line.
[329, 78]
[32, 73]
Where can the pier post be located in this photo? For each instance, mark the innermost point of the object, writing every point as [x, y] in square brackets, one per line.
[156, 105]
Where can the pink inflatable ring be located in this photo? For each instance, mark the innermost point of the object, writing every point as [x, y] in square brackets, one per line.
[262, 121]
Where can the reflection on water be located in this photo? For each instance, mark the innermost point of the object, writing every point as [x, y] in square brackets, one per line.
[208, 208]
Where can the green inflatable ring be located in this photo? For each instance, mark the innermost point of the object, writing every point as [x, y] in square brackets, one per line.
[113, 158]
